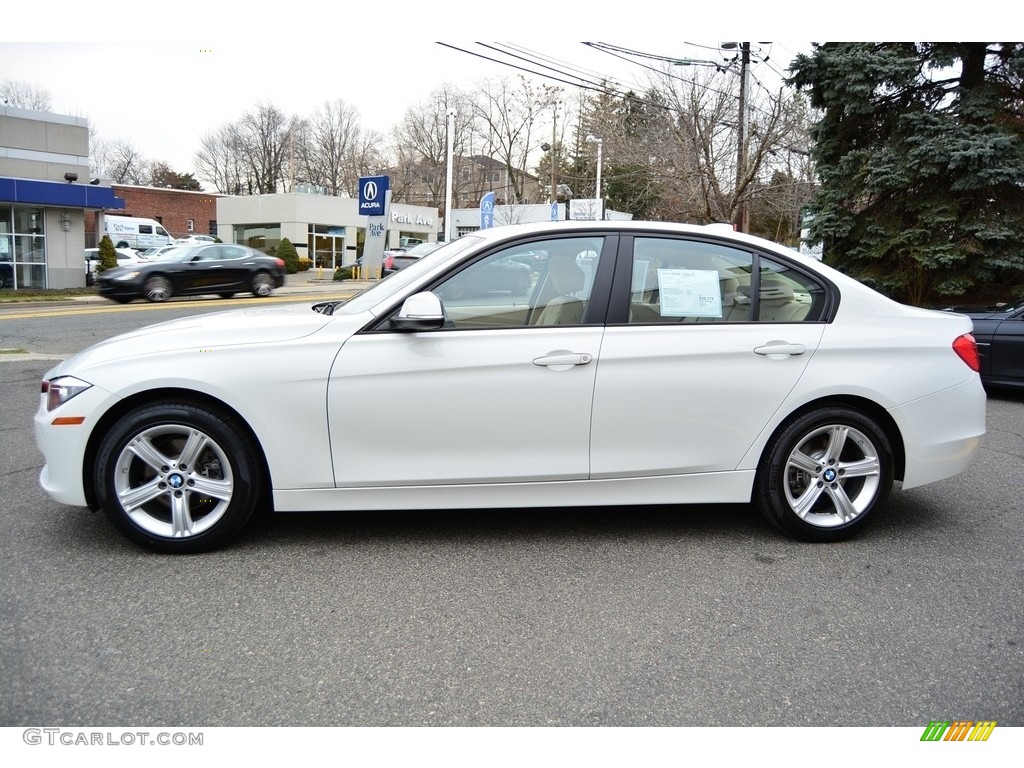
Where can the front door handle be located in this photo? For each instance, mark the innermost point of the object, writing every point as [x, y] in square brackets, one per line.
[567, 358]
[780, 348]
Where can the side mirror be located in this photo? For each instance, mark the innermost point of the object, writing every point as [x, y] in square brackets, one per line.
[420, 312]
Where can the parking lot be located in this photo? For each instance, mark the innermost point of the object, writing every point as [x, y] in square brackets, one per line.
[626, 616]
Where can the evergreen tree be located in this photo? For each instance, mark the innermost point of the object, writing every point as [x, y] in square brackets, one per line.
[107, 254]
[920, 153]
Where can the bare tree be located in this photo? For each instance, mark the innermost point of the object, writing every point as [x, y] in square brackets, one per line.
[507, 112]
[420, 147]
[21, 95]
[218, 163]
[332, 150]
[261, 138]
[119, 161]
[706, 135]
[248, 157]
[364, 158]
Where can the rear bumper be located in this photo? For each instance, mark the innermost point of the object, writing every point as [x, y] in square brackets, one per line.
[942, 432]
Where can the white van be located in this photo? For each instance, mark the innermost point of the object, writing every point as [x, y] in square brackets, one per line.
[130, 232]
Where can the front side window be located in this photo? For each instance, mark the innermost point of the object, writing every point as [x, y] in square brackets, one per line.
[686, 281]
[543, 283]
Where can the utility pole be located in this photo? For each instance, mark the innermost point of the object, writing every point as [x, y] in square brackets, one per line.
[742, 221]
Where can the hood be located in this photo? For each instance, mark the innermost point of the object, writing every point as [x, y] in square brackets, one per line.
[256, 325]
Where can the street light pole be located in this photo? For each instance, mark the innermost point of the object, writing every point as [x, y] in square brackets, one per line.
[448, 181]
[597, 187]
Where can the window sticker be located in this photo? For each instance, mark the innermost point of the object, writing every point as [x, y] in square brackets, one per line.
[690, 293]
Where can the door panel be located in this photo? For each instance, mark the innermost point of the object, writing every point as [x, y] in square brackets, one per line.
[679, 398]
[462, 406]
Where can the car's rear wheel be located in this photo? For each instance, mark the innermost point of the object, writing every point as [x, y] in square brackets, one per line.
[824, 475]
[262, 285]
[158, 288]
[178, 477]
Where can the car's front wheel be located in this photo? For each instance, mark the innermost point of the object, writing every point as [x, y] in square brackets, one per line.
[262, 285]
[178, 477]
[824, 475]
[158, 288]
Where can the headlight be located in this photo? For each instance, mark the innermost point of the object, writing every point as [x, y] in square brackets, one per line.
[127, 276]
[58, 391]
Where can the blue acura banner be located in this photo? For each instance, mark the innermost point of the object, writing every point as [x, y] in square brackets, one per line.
[487, 211]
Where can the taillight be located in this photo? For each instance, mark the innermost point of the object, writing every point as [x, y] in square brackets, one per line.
[280, 262]
[967, 348]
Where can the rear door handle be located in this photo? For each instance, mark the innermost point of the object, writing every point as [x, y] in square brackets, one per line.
[780, 348]
[568, 358]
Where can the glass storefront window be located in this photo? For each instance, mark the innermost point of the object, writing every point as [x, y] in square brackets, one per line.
[262, 237]
[28, 221]
[327, 245]
[22, 247]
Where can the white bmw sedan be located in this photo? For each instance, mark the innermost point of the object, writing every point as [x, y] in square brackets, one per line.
[644, 363]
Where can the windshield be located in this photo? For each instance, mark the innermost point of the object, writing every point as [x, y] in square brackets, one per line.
[423, 249]
[174, 253]
[379, 292]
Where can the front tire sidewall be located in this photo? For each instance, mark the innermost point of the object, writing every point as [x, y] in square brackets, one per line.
[770, 486]
[224, 430]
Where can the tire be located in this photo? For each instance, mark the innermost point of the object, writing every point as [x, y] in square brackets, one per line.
[178, 477]
[158, 288]
[262, 285]
[226, 295]
[824, 475]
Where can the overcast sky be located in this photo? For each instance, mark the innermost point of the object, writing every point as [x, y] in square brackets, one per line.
[165, 97]
[164, 78]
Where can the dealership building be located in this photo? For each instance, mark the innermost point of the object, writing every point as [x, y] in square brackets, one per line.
[327, 230]
[46, 193]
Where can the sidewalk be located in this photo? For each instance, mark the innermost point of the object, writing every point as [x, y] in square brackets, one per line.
[310, 282]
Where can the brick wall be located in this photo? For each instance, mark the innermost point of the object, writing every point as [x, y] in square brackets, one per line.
[171, 207]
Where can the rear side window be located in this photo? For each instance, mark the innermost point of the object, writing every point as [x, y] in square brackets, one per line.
[145, 229]
[687, 281]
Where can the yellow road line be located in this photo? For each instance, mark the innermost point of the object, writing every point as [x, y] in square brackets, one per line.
[99, 309]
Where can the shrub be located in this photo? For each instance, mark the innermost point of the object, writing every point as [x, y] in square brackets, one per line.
[287, 253]
[304, 264]
[345, 273]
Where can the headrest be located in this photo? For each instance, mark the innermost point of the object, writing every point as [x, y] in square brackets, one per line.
[773, 289]
[568, 275]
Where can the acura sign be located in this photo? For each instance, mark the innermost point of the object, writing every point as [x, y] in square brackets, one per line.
[372, 195]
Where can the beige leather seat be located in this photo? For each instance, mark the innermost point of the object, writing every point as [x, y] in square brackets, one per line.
[567, 279]
[778, 304]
